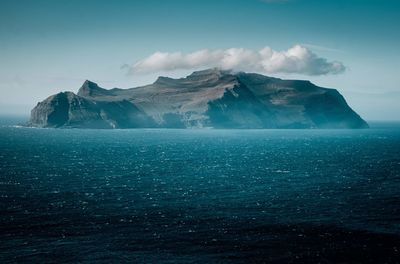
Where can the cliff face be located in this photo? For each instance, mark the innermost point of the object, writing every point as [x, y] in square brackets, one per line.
[70, 110]
[209, 98]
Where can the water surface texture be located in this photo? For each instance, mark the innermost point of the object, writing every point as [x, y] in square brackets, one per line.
[199, 196]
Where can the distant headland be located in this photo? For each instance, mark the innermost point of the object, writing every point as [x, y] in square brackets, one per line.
[210, 98]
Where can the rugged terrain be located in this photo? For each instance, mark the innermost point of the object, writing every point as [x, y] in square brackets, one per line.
[205, 99]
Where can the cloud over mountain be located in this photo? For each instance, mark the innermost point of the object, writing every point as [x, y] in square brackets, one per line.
[297, 59]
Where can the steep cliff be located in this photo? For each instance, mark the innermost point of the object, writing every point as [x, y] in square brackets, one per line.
[209, 98]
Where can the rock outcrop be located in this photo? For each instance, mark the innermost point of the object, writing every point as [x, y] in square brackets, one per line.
[210, 98]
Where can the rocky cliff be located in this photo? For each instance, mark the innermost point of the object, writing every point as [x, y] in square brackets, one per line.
[209, 98]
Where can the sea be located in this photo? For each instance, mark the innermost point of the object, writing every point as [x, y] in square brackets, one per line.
[199, 196]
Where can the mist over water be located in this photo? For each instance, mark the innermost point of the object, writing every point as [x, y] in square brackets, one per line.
[214, 196]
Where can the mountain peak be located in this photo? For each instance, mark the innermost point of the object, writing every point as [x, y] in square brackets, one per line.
[89, 84]
[197, 76]
[210, 71]
[90, 88]
[163, 80]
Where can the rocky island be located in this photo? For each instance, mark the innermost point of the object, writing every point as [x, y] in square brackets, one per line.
[210, 98]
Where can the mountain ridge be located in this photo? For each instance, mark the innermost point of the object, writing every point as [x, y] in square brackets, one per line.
[209, 98]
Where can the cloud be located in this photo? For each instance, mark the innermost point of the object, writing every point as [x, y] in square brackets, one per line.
[297, 59]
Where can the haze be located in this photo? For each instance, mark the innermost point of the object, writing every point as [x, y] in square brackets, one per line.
[51, 46]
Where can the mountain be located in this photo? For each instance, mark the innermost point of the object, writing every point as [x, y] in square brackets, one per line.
[209, 98]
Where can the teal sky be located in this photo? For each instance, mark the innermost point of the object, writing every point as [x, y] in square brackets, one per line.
[47, 46]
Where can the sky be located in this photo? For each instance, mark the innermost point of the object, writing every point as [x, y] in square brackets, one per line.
[48, 46]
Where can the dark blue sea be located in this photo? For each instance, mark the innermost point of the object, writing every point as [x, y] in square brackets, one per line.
[199, 196]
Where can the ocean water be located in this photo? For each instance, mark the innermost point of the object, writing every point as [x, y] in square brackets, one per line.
[200, 196]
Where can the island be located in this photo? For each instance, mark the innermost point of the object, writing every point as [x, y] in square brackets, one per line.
[211, 98]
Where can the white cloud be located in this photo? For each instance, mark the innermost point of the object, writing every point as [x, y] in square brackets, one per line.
[297, 59]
